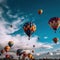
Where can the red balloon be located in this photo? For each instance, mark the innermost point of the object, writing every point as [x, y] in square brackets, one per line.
[54, 22]
[55, 40]
[7, 56]
[24, 54]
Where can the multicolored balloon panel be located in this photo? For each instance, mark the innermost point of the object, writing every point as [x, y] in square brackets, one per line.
[54, 23]
[29, 28]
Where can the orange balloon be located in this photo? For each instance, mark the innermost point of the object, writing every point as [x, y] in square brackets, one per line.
[33, 28]
[30, 56]
[7, 48]
[40, 11]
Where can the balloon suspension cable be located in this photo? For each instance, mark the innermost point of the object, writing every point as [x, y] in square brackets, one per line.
[30, 24]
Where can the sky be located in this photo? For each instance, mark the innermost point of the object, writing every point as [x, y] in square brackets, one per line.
[17, 13]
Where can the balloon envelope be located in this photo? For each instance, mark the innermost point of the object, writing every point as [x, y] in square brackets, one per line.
[55, 40]
[10, 43]
[2, 51]
[40, 11]
[32, 51]
[33, 45]
[7, 56]
[7, 48]
[29, 28]
[19, 52]
[24, 54]
[30, 56]
[54, 22]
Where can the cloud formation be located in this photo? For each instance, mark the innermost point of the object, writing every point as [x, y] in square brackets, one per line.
[20, 41]
[45, 37]
[1, 1]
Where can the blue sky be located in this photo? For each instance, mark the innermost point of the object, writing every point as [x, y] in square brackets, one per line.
[50, 9]
[27, 10]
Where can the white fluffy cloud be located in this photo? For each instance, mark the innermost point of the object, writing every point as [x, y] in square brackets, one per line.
[1, 1]
[10, 15]
[45, 37]
[21, 42]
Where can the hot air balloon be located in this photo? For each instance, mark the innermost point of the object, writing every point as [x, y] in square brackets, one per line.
[7, 56]
[54, 22]
[24, 54]
[40, 11]
[29, 28]
[33, 45]
[32, 51]
[11, 26]
[19, 52]
[55, 40]
[7, 48]
[10, 43]
[2, 51]
[11, 56]
[30, 56]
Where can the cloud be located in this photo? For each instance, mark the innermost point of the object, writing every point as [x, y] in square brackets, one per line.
[9, 13]
[45, 37]
[9, 53]
[3, 2]
[16, 15]
[5, 26]
[1, 11]
[20, 41]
